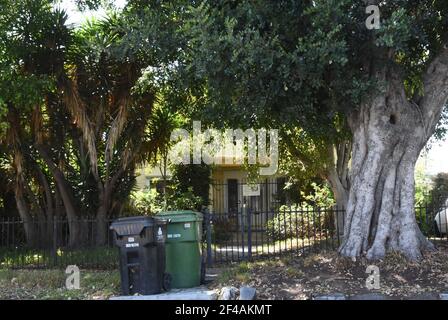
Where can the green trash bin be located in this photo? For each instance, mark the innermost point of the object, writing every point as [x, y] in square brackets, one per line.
[183, 247]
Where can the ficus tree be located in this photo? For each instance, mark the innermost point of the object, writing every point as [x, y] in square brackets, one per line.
[317, 66]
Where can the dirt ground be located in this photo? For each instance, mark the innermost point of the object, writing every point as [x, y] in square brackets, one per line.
[327, 273]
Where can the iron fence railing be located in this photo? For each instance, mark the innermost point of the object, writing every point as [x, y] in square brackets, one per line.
[247, 234]
[46, 244]
[251, 235]
[228, 237]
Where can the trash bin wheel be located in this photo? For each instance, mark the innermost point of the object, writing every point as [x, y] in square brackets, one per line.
[167, 281]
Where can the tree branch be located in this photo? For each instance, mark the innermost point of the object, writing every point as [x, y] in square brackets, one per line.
[61, 183]
[435, 85]
[295, 151]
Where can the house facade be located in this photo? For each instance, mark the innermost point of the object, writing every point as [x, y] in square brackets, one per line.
[230, 189]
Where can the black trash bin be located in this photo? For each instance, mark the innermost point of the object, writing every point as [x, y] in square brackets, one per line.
[141, 241]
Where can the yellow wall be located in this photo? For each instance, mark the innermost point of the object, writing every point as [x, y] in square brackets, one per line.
[148, 173]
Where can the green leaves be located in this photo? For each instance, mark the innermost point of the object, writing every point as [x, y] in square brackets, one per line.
[265, 64]
[23, 90]
[93, 110]
[396, 31]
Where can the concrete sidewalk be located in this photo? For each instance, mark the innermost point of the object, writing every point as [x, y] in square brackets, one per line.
[378, 296]
[199, 293]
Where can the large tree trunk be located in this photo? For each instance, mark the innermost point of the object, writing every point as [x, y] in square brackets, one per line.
[40, 220]
[106, 190]
[336, 175]
[14, 139]
[337, 172]
[25, 215]
[101, 217]
[58, 213]
[66, 194]
[388, 134]
[49, 208]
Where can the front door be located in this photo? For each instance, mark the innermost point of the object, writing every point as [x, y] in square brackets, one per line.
[232, 195]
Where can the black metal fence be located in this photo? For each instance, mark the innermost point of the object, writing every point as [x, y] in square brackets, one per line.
[251, 234]
[50, 246]
[228, 237]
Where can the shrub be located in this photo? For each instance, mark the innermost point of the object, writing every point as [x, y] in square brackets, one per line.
[321, 197]
[221, 230]
[298, 222]
[184, 201]
[151, 202]
[192, 182]
[146, 202]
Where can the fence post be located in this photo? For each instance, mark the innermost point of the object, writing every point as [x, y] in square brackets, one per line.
[208, 222]
[243, 220]
[249, 233]
[55, 241]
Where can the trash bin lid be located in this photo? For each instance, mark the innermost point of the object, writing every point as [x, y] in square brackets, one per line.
[131, 225]
[181, 215]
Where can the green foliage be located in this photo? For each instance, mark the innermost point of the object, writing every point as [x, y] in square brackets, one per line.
[188, 189]
[88, 4]
[151, 202]
[302, 157]
[40, 57]
[194, 182]
[320, 197]
[281, 64]
[425, 222]
[300, 66]
[239, 47]
[185, 200]
[423, 185]
[430, 197]
[439, 192]
[297, 64]
[162, 123]
[3, 124]
[395, 31]
[145, 202]
[299, 222]
[440, 183]
[307, 220]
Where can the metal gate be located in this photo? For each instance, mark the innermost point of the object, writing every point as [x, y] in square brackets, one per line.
[247, 220]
